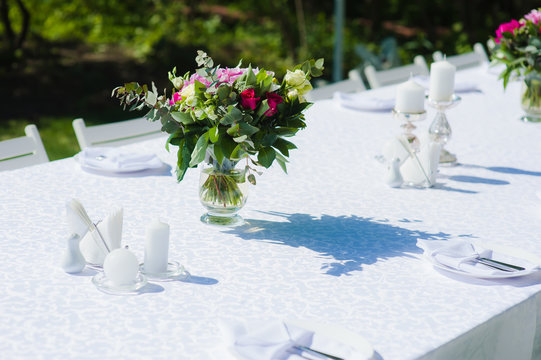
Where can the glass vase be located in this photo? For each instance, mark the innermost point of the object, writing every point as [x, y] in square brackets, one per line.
[531, 97]
[223, 191]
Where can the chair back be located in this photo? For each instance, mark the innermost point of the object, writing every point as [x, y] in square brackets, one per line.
[474, 58]
[395, 75]
[116, 133]
[327, 91]
[23, 151]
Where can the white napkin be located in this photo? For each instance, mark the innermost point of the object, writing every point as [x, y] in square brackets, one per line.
[115, 160]
[461, 86]
[274, 340]
[461, 255]
[111, 231]
[363, 102]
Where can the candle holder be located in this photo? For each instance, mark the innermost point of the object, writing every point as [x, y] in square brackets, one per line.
[440, 130]
[107, 286]
[174, 271]
[407, 118]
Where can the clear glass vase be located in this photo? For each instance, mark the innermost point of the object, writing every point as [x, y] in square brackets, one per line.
[223, 191]
[531, 97]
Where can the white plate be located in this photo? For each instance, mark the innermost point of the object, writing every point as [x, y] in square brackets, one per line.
[339, 334]
[511, 251]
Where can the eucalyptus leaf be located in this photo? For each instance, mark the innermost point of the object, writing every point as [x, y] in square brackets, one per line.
[214, 134]
[182, 117]
[198, 153]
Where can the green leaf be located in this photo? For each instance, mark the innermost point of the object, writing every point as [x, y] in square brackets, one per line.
[251, 179]
[170, 126]
[232, 116]
[286, 131]
[237, 152]
[223, 92]
[218, 153]
[268, 139]
[228, 145]
[151, 98]
[233, 130]
[281, 161]
[247, 129]
[284, 146]
[200, 149]
[214, 134]
[266, 156]
[240, 139]
[182, 117]
[183, 157]
[251, 80]
[319, 63]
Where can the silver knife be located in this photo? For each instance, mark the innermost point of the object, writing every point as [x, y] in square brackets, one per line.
[499, 264]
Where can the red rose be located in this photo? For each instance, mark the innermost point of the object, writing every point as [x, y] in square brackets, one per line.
[273, 100]
[248, 99]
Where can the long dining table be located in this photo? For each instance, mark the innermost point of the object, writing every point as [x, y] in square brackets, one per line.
[329, 242]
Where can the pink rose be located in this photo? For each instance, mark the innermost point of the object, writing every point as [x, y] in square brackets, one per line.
[534, 16]
[273, 100]
[248, 99]
[176, 97]
[506, 27]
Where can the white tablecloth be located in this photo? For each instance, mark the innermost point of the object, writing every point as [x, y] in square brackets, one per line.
[329, 241]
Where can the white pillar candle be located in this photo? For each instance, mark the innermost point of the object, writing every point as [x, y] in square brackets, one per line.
[442, 81]
[156, 247]
[121, 266]
[410, 97]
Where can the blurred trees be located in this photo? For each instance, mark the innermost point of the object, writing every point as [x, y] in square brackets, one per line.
[87, 47]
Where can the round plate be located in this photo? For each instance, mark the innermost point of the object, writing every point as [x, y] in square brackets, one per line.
[107, 286]
[363, 349]
[518, 253]
[174, 271]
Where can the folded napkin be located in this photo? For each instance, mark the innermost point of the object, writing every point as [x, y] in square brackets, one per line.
[461, 255]
[275, 340]
[362, 102]
[111, 231]
[461, 86]
[115, 160]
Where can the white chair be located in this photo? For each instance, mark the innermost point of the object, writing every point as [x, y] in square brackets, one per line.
[327, 91]
[474, 58]
[116, 133]
[23, 151]
[395, 75]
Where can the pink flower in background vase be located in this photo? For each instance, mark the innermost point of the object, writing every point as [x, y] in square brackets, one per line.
[534, 16]
[273, 100]
[248, 99]
[506, 27]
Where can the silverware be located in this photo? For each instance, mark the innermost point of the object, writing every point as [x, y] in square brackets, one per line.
[499, 265]
[315, 353]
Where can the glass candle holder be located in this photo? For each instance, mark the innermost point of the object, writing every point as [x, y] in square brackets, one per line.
[440, 130]
[407, 119]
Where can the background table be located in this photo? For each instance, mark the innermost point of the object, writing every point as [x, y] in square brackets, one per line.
[329, 241]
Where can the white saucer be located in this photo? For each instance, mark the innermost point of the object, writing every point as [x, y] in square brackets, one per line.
[107, 286]
[174, 271]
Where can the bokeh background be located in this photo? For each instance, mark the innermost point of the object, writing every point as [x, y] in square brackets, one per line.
[60, 59]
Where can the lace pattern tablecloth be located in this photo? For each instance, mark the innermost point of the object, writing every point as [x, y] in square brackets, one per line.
[328, 241]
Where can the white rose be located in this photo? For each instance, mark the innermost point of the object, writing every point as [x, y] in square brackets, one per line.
[295, 78]
[178, 82]
[306, 87]
[190, 101]
[188, 91]
[293, 93]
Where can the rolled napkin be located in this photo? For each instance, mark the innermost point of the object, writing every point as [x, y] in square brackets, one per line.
[462, 255]
[116, 160]
[362, 102]
[111, 231]
[276, 340]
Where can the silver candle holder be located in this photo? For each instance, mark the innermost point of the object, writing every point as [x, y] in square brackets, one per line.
[407, 119]
[440, 130]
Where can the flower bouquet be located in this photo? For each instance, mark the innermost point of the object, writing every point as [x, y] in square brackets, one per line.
[518, 47]
[233, 120]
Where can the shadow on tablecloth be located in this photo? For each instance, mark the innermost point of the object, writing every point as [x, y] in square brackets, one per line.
[345, 242]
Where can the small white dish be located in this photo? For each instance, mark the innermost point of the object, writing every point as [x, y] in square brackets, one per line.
[106, 285]
[174, 271]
